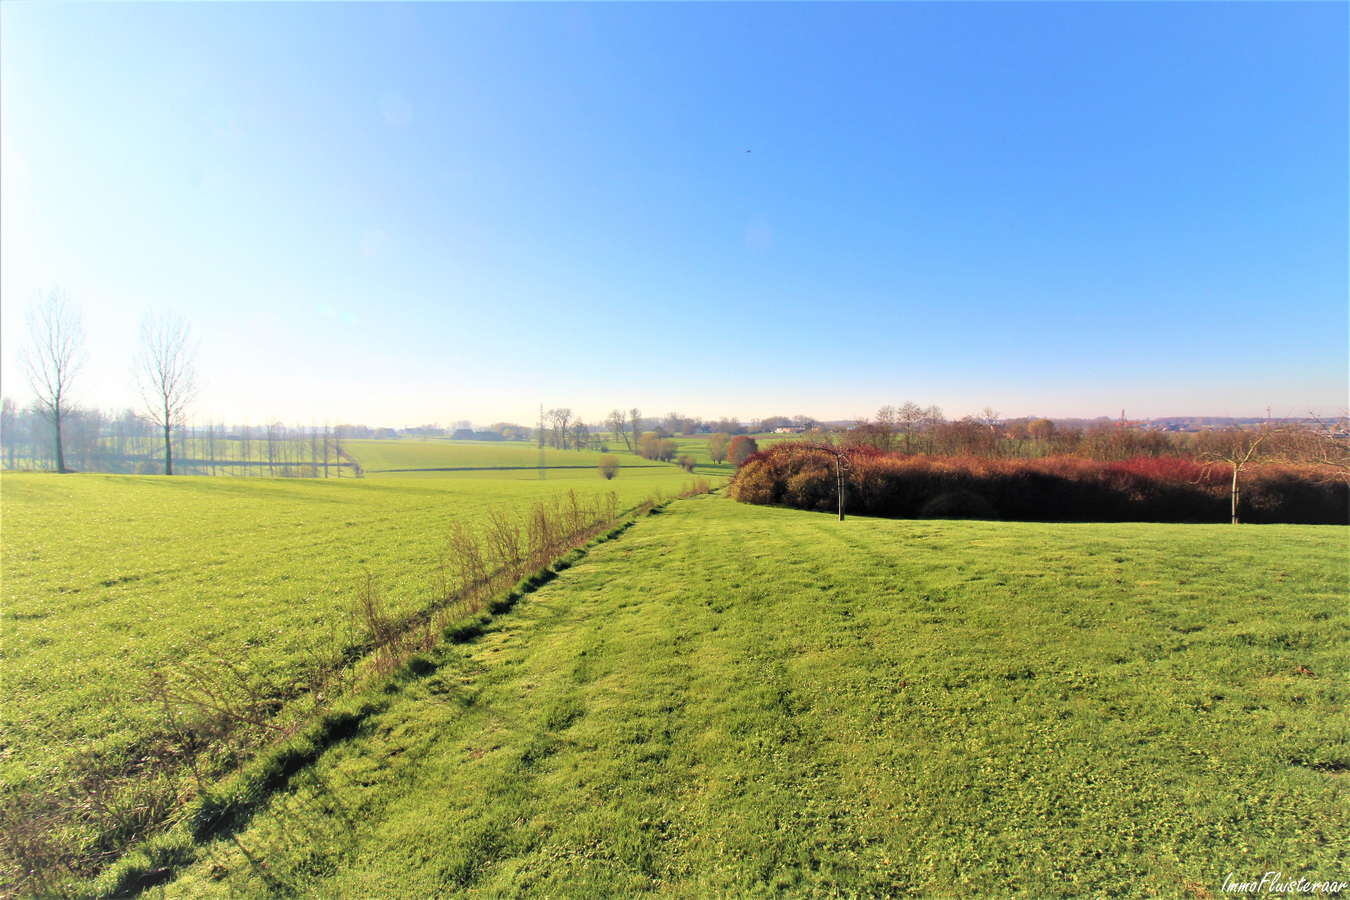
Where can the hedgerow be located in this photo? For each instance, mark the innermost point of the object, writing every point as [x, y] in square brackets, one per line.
[1051, 489]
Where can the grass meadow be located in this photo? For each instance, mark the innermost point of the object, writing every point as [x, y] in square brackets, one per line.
[739, 701]
[420, 457]
[109, 579]
[408, 455]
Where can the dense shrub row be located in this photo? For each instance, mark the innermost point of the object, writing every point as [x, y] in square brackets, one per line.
[1052, 489]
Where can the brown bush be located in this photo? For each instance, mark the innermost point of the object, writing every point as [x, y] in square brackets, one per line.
[741, 449]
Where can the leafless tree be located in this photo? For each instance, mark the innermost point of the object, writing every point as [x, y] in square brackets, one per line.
[1237, 448]
[635, 421]
[340, 431]
[246, 446]
[823, 443]
[327, 446]
[618, 424]
[560, 419]
[581, 434]
[9, 421]
[717, 446]
[273, 432]
[933, 416]
[166, 374]
[53, 357]
[211, 443]
[1327, 444]
[888, 418]
[910, 417]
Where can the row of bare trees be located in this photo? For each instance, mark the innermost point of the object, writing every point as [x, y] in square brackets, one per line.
[562, 429]
[925, 430]
[628, 427]
[97, 441]
[163, 368]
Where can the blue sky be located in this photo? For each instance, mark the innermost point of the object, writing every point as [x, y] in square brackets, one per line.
[400, 214]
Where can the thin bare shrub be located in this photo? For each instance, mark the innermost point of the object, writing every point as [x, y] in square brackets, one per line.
[392, 641]
[696, 487]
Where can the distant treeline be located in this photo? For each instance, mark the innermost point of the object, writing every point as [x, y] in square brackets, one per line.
[96, 441]
[910, 429]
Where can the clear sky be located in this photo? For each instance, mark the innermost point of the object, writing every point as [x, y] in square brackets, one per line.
[397, 214]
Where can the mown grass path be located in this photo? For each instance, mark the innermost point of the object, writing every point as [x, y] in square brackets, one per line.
[747, 702]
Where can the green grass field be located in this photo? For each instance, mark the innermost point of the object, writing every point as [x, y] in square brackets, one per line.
[436, 457]
[109, 578]
[411, 455]
[733, 701]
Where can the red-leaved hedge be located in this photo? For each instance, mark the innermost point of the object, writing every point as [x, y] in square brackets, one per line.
[1052, 489]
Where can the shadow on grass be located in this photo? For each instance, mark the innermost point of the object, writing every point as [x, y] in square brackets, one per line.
[223, 814]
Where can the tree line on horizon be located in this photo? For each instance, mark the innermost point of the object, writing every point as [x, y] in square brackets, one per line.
[913, 430]
[54, 427]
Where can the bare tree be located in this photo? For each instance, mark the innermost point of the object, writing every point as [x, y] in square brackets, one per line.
[560, 419]
[340, 431]
[53, 357]
[635, 420]
[211, 443]
[327, 446]
[841, 465]
[166, 374]
[273, 433]
[910, 417]
[933, 417]
[717, 446]
[618, 424]
[888, 418]
[1237, 448]
[1327, 443]
[9, 430]
[246, 446]
[581, 434]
